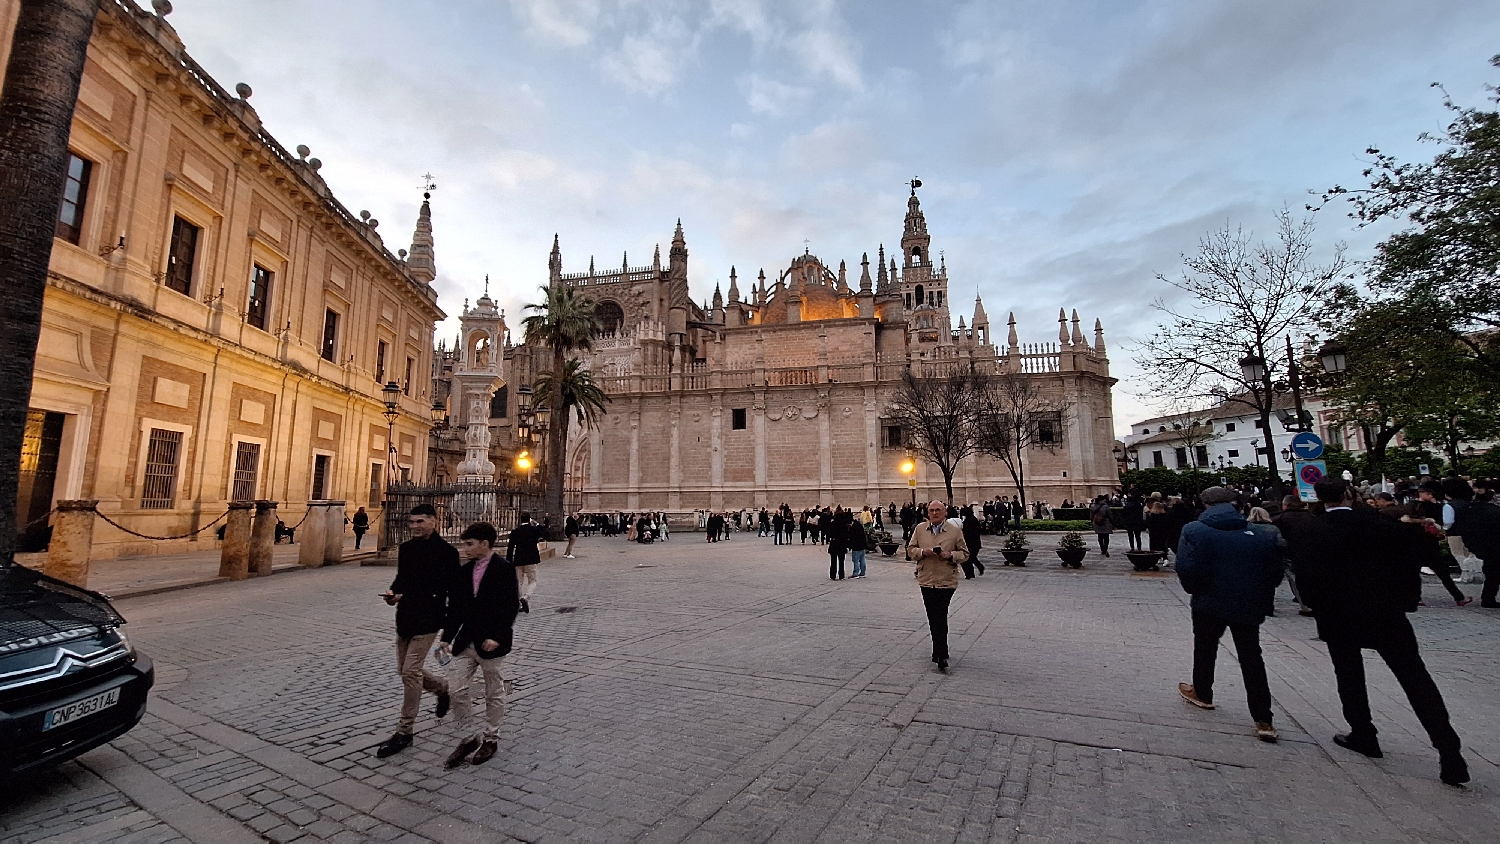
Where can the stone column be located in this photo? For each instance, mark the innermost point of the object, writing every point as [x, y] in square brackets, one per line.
[333, 537]
[262, 538]
[633, 492]
[72, 539]
[234, 554]
[312, 535]
[674, 458]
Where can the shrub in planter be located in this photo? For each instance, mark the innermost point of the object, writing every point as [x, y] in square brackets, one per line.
[1015, 548]
[1071, 550]
[882, 539]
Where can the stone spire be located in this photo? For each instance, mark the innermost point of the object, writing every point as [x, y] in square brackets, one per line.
[1012, 339]
[421, 262]
[656, 259]
[554, 263]
[1077, 332]
[1099, 336]
[718, 297]
[843, 277]
[963, 333]
[864, 273]
[882, 281]
[760, 291]
[914, 238]
[1062, 326]
[591, 266]
[734, 286]
[980, 317]
[625, 262]
[894, 278]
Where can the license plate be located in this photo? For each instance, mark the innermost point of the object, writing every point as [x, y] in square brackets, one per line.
[80, 709]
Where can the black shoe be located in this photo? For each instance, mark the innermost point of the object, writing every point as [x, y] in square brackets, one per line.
[456, 758]
[1490, 605]
[1454, 771]
[393, 745]
[943, 666]
[1368, 746]
[525, 606]
[443, 702]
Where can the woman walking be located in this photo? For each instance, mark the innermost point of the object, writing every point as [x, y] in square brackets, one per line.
[1103, 520]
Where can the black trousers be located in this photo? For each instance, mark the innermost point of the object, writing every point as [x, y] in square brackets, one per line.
[936, 602]
[836, 566]
[1207, 631]
[1491, 582]
[1135, 537]
[1392, 638]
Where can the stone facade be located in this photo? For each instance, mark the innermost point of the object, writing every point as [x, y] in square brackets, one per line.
[216, 325]
[782, 395]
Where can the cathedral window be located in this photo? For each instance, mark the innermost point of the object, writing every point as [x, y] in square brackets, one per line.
[940, 298]
[737, 419]
[920, 299]
[610, 317]
[908, 301]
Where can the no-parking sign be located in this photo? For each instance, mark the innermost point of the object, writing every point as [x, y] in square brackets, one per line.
[1309, 472]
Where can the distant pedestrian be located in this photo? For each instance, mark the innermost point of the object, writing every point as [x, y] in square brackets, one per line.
[426, 566]
[1360, 574]
[1133, 519]
[523, 554]
[570, 530]
[478, 635]
[972, 540]
[1102, 518]
[838, 545]
[1477, 523]
[858, 541]
[937, 547]
[1231, 568]
[361, 523]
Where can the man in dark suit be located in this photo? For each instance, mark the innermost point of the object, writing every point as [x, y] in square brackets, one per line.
[425, 567]
[1360, 574]
[523, 554]
[478, 635]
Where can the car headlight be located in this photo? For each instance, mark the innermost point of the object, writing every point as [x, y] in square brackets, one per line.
[124, 640]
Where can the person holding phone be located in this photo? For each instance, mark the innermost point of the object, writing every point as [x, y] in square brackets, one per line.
[485, 600]
[937, 547]
[426, 566]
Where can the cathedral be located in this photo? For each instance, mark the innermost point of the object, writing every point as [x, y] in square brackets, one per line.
[780, 392]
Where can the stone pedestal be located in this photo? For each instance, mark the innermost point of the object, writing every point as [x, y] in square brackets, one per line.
[333, 533]
[312, 536]
[262, 538]
[72, 538]
[234, 554]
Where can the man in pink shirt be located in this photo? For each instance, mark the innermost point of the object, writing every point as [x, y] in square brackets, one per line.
[482, 609]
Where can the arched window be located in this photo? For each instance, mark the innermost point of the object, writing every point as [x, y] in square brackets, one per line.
[920, 300]
[610, 316]
[940, 298]
[908, 307]
[499, 403]
[916, 254]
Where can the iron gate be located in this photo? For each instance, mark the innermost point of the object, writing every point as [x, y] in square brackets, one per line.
[458, 506]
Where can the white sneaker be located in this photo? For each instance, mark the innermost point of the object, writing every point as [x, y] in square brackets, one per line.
[568, 556]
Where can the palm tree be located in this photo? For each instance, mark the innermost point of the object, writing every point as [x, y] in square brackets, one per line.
[564, 322]
[36, 114]
[579, 393]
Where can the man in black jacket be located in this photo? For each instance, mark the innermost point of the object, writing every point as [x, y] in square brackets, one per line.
[478, 635]
[425, 567]
[523, 554]
[1360, 574]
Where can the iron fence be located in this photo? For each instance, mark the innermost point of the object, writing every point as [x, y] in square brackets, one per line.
[457, 506]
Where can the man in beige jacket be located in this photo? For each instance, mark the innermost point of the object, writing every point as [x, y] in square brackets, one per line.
[937, 547]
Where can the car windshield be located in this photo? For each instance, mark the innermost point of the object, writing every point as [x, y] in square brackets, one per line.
[34, 606]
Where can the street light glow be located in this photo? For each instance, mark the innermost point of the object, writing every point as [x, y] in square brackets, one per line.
[907, 466]
[523, 461]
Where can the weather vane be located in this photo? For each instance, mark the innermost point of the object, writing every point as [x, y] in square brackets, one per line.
[914, 183]
[428, 185]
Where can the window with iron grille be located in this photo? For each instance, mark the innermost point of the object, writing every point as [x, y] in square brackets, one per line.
[159, 487]
[260, 297]
[320, 476]
[181, 255]
[246, 469]
[1049, 429]
[377, 472]
[330, 335]
[75, 196]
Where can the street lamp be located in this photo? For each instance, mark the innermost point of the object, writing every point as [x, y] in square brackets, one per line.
[1253, 367]
[1286, 455]
[439, 415]
[1334, 357]
[908, 468]
[391, 394]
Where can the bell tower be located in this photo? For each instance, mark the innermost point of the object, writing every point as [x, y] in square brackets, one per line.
[476, 376]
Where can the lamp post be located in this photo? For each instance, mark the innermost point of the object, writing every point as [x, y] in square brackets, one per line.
[391, 393]
[909, 468]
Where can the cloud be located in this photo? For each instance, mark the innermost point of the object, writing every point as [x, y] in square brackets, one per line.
[768, 96]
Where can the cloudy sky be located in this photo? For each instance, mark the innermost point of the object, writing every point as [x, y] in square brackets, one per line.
[1070, 149]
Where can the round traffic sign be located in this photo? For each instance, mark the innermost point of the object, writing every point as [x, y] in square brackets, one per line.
[1307, 446]
[1310, 474]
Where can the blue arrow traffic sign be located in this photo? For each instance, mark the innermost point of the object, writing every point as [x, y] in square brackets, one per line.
[1307, 446]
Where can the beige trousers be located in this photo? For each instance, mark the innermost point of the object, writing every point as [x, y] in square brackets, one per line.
[526, 581]
[460, 672]
[411, 657]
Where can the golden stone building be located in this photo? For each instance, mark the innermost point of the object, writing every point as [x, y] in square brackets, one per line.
[217, 325]
[783, 395]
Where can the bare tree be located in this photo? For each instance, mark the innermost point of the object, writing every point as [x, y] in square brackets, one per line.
[1243, 300]
[36, 114]
[939, 416]
[1017, 417]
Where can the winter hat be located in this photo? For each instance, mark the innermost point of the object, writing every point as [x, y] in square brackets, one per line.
[1218, 495]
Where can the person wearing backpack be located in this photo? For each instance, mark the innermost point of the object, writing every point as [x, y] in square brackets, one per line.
[1478, 524]
[1103, 521]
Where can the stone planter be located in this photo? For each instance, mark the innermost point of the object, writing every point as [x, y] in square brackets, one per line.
[1072, 557]
[889, 548]
[1015, 558]
[1144, 560]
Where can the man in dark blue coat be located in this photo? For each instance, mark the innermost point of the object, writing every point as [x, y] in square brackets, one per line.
[1231, 568]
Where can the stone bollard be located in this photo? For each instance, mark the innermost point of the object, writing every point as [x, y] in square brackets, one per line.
[333, 537]
[262, 538]
[234, 554]
[312, 536]
[72, 539]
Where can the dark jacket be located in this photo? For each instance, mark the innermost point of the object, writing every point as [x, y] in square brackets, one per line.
[1353, 567]
[488, 615]
[1133, 514]
[971, 535]
[361, 522]
[570, 527]
[1478, 522]
[855, 536]
[424, 573]
[522, 551]
[1229, 566]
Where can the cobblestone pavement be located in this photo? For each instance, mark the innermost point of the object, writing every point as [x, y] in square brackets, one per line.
[731, 692]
